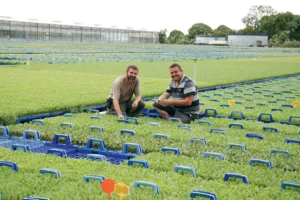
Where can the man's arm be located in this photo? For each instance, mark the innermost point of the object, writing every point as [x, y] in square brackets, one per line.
[137, 93]
[189, 91]
[117, 108]
[164, 96]
[136, 102]
[116, 96]
[187, 101]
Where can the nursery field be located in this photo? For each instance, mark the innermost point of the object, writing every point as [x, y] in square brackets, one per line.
[245, 144]
[39, 87]
[190, 144]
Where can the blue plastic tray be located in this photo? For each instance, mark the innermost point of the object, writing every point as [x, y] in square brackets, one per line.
[79, 152]
[9, 142]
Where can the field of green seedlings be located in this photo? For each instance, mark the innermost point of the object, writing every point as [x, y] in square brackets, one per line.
[274, 97]
[40, 88]
[264, 183]
[251, 130]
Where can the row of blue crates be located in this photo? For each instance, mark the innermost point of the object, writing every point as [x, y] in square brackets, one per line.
[61, 145]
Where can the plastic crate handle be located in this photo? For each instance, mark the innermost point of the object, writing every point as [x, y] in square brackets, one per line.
[204, 122]
[93, 111]
[154, 186]
[216, 130]
[199, 193]
[50, 171]
[12, 165]
[237, 145]
[95, 157]
[58, 152]
[238, 125]
[203, 141]
[210, 109]
[138, 147]
[290, 184]
[91, 141]
[292, 141]
[38, 121]
[140, 162]
[62, 136]
[265, 114]
[277, 109]
[135, 120]
[127, 131]
[253, 135]
[241, 115]
[265, 128]
[174, 119]
[154, 124]
[36, 134]
[98, 128]
[63, 124]
[266, 162]
[87, 178]
[35, 198]
[184, 168]
[218, 155]
[23, 147]
[273, 151]
[231, 175]
[123, 121]
[5, 131]
[96, 117]
[184, 128]
[69, 115]
[161, 136]
[176, 151]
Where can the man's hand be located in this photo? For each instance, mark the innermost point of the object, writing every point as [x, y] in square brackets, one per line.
[121, 116]
[135, 105]
[165, 102]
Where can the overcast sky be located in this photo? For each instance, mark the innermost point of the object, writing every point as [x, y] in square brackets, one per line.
[151, 15]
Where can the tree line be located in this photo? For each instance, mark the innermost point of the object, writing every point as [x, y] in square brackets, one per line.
[283, 29]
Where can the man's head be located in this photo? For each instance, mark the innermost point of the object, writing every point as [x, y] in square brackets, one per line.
[131, 72]
[176, 72]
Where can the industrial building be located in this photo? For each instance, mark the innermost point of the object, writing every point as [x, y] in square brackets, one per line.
[233, 40]
[210, 40]
[27, 30]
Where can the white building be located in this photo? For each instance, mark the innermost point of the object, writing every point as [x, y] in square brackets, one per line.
[247, 40]
[210, 40]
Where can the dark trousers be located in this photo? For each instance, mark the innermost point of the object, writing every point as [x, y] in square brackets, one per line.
[125, 107]
[185, 118]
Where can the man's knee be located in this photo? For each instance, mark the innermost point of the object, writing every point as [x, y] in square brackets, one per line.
[109, 111]
[141, 104]
[157, 106]
[186, 119]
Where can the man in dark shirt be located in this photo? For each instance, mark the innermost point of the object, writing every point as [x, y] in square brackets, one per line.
[184, 102]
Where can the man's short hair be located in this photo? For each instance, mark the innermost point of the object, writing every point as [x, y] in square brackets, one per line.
[175, 65]
[132, 67]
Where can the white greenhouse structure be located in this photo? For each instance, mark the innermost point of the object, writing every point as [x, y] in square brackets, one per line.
[247, 40]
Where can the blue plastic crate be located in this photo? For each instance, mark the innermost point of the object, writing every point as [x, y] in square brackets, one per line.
[67, 149]
[21, 143]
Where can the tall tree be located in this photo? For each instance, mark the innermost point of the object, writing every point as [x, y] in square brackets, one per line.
[162, 36]
[284, 25]
[222, 30]
[296, 33]
[256, 13]
[246, 31]
[175, 36]
[199, 29]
